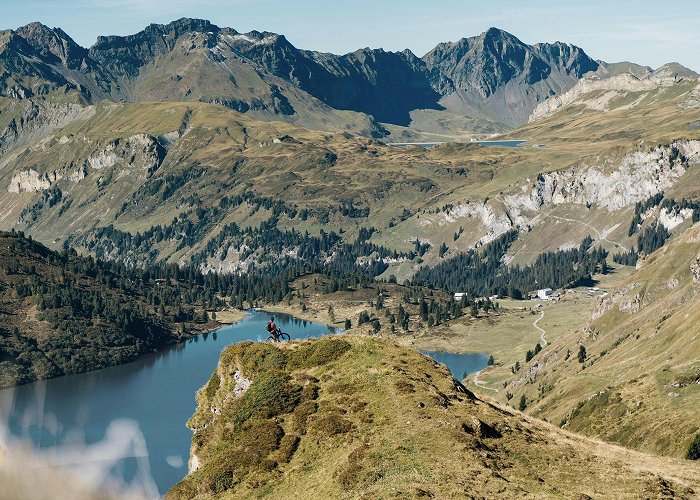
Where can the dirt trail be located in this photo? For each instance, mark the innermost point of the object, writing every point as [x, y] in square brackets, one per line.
[542, 336]
[479, 384]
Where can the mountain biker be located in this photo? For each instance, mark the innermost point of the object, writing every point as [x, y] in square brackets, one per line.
[272, 327]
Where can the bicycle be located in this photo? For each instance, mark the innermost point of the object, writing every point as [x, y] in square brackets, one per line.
[279, 336]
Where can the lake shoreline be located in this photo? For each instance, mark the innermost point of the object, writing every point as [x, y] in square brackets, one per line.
[231, 317]
[418, 342]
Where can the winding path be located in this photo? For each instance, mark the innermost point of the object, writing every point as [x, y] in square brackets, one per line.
[542, 336]
[479, 384]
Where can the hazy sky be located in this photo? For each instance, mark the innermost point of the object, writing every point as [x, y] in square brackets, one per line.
[650, 32]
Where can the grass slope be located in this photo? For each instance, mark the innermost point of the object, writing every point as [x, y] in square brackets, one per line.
[360, 417]
[640, 382]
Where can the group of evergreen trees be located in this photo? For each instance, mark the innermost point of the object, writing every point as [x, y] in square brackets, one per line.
[483, 272]
[654, 235]
[651, 239]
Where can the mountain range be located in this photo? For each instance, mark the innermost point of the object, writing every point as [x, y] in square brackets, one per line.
[493, 78]
[197, 169]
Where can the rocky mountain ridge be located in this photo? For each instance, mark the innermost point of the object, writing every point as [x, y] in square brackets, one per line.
[492, 77]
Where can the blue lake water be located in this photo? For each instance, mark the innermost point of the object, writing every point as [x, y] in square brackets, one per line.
[460, 365]
[123, 427]
[505, 143]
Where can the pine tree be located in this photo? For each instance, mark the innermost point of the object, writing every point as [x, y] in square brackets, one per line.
[523, 403]
[581, 354]
[694, 449]
[474, 310]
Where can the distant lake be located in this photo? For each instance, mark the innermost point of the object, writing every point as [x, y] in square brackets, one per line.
[505, 143]
[460, 365]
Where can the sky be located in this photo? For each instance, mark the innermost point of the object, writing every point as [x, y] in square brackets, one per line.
[642, 31]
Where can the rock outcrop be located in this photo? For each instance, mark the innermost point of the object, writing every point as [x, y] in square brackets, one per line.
[695, 269]
[139, 150]
[30, 181]
[636, 177]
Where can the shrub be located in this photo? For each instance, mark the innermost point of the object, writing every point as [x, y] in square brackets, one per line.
[331, 424]
[523, 403]
[309, 392]
[217, 476]
[694, 449]
[351, 474]
[212, 385]
[269, 395]
[404, 387]
[318, 353]
[581, 354]
[254, 358]
[302, 414]
[288, 446]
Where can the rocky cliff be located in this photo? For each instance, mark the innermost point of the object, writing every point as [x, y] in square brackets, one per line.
[497, 75]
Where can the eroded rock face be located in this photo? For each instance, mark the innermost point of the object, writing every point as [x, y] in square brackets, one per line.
[606, 89]
[636, 177]
[31, 181]
[626, 301]
[496, 222]
[639, 175]
[630, 305]
[38, 119]
[242, 384]
[140, 151]
[695, 269]
[670, 218]
[692, 101]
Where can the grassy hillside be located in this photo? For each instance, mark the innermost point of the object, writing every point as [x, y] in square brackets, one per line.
[360, 417]
[62, 314]
[74, 169]
[638, 383]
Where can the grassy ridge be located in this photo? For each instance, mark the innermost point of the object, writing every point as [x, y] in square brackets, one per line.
[360, 417]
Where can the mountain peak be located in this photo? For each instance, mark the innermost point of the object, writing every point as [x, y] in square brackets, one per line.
[53, 44]
[494, 32]
[173, 30]
[496, 35]
[674, 70]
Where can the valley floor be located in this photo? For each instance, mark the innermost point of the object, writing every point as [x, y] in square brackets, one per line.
[506, 335]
